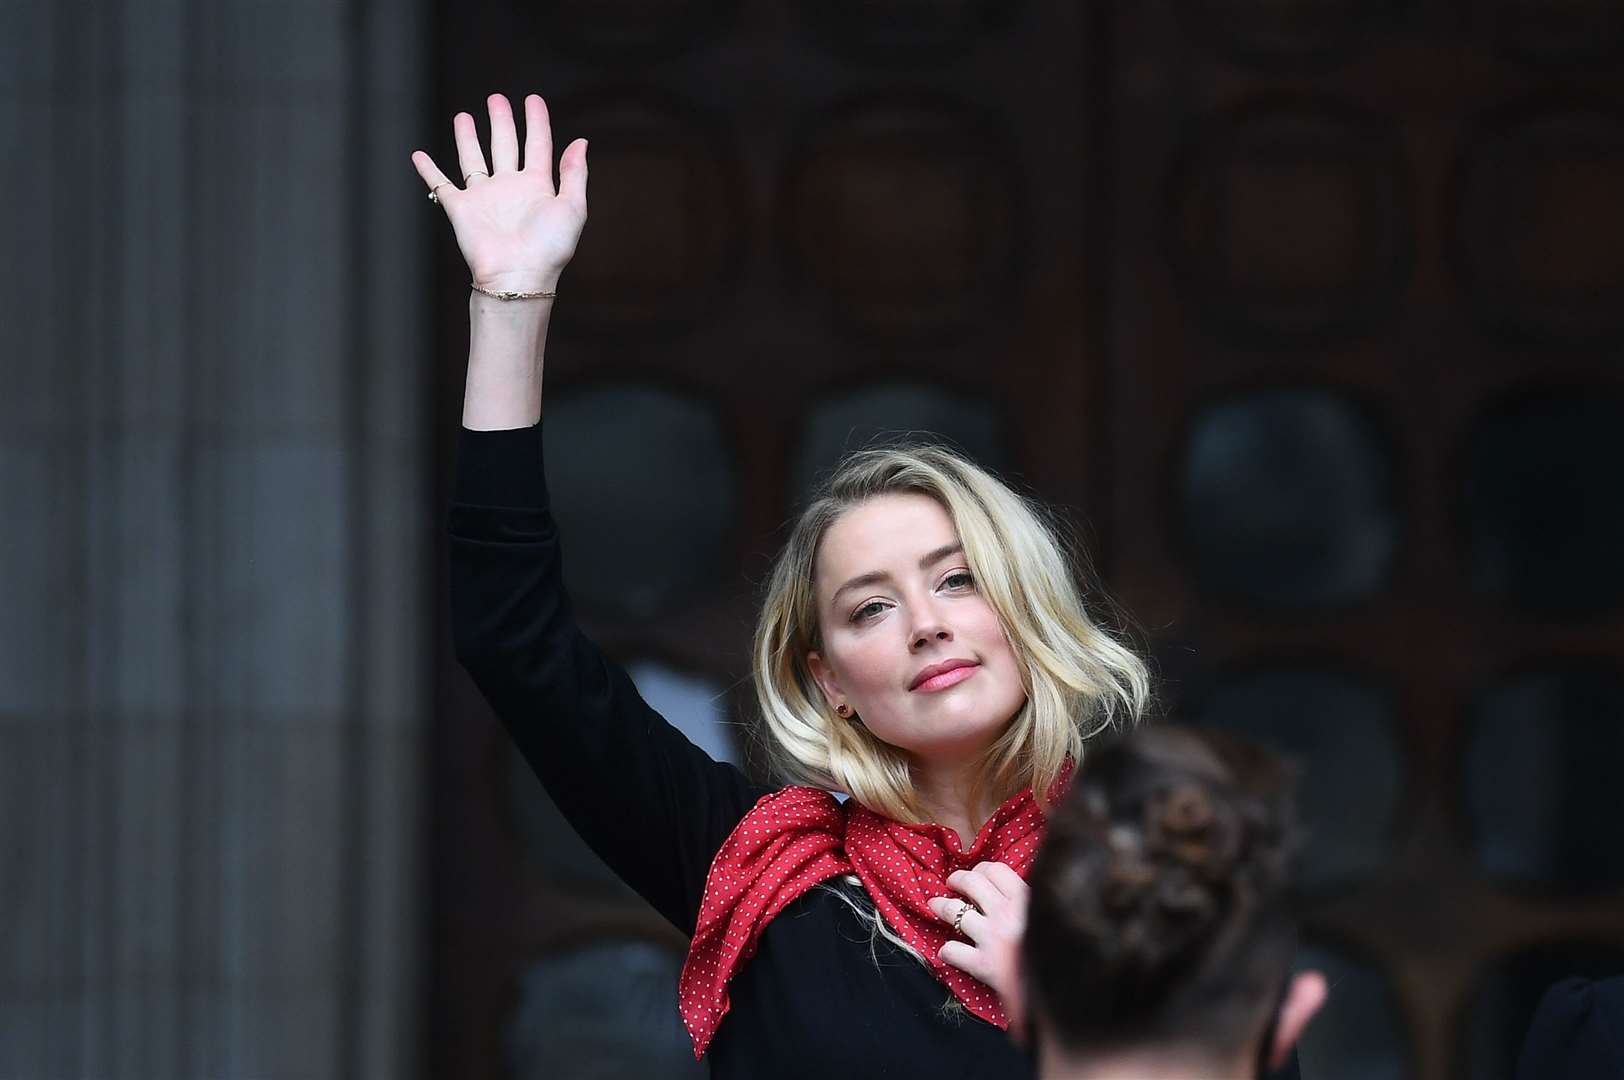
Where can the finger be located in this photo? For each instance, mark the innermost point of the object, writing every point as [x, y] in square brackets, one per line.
[947, 909]
[977, 887]
[470, 158]
[962, 915]
[439, 186]
[572, 173]
[538, 139]
[504, 138]
[429, 171]
[974, 925]
[1005, 878]
[967, 958]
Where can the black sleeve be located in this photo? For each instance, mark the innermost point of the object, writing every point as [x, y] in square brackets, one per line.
[651, 804]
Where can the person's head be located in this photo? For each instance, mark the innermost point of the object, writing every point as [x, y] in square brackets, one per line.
[910, 558]
[1161, 927]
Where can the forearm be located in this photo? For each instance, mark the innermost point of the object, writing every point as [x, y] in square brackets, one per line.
[654, 806]
[506, 341]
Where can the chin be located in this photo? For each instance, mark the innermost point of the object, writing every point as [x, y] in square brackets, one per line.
[955, 729]
[959, 742]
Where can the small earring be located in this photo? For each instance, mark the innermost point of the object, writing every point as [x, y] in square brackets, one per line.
[843, 710]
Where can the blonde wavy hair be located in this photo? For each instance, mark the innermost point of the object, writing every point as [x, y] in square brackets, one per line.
[1078, 678]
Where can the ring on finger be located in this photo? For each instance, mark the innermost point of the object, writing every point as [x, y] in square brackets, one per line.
[964, 909]
[434, 192]
[475, 173]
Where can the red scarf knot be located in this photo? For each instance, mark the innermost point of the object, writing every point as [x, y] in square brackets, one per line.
[796, 838]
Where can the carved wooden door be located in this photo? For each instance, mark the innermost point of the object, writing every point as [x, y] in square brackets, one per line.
[1308, 316]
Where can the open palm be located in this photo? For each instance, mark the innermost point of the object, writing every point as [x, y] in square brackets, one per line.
[515, 230]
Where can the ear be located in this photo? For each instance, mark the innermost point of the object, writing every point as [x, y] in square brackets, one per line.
[1307, 993]
[826, 678]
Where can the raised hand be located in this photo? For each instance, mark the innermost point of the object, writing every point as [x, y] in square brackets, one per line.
[514, 229]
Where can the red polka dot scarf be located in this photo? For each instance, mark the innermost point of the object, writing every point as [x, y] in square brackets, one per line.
[797, 837]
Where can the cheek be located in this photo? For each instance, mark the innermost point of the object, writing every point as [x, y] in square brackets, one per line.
[866, 667]
[990, 632]
[997, 650]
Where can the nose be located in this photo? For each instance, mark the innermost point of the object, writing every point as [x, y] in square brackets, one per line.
[930, 629]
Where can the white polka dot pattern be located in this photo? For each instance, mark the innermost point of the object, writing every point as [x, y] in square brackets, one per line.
[797, 837]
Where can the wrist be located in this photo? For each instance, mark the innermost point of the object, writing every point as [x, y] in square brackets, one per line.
[488, 314]
[519, 281]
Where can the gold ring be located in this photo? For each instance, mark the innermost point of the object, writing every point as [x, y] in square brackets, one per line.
[434, 196]
[476, 172]
[964, 907]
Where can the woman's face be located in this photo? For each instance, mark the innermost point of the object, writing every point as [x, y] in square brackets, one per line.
[908, 640]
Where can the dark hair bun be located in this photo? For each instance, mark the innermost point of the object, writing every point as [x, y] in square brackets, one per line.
[1168, 852]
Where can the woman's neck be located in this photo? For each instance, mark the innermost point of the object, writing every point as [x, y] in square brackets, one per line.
[945, 789]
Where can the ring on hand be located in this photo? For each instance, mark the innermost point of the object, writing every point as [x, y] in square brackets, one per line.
[476, 172]
[434, 192]
[964, 906]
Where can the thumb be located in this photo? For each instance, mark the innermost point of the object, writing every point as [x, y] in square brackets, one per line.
[572, 173]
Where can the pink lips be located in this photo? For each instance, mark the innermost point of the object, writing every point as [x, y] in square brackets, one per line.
[941, 676]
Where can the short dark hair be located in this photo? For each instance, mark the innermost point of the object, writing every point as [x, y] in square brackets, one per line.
[1161, 911]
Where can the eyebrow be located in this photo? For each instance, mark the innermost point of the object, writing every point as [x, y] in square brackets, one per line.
[876, 576]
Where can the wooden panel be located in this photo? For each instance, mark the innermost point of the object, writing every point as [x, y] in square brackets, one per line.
[1422, 228]
[1095, 230]
[904, 215]
[1540, 231]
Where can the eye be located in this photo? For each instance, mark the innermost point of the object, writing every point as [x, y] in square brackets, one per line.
[867, 611]
[958, 579]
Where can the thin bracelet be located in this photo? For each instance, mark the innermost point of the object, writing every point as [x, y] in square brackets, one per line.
[508, 294]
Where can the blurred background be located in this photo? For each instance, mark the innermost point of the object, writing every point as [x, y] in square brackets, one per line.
[1308, 316]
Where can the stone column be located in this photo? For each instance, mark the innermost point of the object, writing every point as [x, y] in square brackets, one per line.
[214, 634]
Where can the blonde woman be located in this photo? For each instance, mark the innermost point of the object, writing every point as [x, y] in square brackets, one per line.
[922, 647]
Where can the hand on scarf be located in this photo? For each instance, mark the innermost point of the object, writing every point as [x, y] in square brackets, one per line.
[994, 924]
